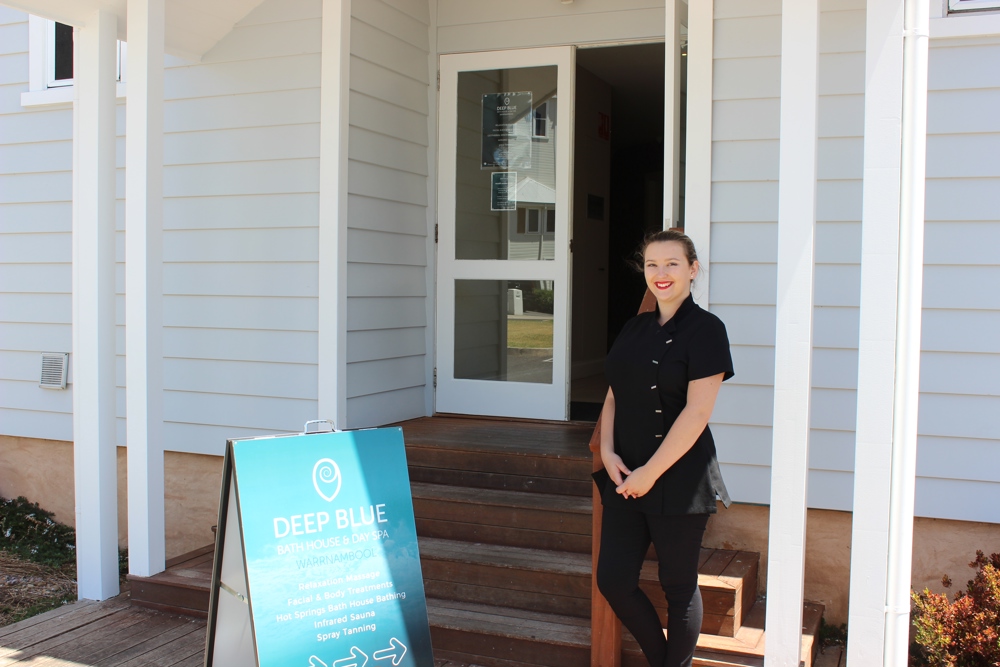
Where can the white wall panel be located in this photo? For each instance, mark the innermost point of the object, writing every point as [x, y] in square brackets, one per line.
[275, 211]
[949, 68]
[472, 26]
[248, 312]
[386, 407]
[387, 238]
[35, 246]
[35, 218]
[295, 347]
[744, 240]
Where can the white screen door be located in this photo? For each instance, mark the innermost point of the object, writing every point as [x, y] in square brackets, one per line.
[504, 198]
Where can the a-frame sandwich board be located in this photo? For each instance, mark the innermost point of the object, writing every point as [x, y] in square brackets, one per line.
[316, 561]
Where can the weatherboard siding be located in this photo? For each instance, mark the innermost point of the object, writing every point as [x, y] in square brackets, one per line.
[36, 162]
[958, 460]
[514, 24]
[746, 105]
[960, 388]
[387, 238]
[240, 273]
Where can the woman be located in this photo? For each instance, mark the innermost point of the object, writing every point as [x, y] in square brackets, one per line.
[664, 371]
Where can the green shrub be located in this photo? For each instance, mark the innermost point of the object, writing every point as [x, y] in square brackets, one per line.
[33, 534]
[539, 300]
[964, 632]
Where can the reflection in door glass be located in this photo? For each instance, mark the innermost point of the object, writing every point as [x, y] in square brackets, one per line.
[505, 181]
[503, 330]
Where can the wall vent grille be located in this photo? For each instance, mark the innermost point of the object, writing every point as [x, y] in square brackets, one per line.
[54, 368]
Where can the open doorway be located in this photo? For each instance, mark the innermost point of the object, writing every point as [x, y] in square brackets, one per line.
[618, 197]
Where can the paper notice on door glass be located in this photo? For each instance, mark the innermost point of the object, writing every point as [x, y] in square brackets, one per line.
[503, 191]
[507, 130]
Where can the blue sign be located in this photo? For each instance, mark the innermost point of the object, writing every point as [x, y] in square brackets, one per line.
[330, 549]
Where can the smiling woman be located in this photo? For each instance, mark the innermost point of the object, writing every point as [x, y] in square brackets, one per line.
[661, 475]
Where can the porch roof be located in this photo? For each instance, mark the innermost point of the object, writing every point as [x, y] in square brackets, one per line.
[192, 27]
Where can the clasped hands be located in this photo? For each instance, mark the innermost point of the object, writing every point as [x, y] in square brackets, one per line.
[628, 483]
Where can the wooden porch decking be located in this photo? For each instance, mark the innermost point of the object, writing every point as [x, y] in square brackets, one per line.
[504, 518]
[114, 633]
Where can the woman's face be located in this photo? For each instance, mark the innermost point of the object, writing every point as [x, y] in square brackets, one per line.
[668, 273]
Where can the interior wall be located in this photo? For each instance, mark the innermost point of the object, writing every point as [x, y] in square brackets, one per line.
[591, 178]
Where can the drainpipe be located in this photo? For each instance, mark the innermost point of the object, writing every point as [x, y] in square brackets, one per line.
[916, 23]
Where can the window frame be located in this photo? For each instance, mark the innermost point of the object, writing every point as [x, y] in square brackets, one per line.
[43, 88]
[962, 6]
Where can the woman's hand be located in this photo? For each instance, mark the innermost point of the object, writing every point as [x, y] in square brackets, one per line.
[615, 466]
[638, 483]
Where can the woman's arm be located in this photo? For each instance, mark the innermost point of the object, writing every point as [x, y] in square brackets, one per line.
[612, 462]
[680, 438]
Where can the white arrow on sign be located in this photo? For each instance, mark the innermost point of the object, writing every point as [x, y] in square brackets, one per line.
[316, 662]
[357, 659]
[396, 651]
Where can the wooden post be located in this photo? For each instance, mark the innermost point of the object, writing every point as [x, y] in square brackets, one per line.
[605, 628]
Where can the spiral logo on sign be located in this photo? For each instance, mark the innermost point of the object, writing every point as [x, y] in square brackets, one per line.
[326, 479]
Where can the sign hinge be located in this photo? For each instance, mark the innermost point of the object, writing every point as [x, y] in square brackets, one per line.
[439, 81]
[571, 245]
[435, 378]
[435, 232]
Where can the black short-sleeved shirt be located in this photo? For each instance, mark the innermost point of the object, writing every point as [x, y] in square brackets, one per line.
[649, 368]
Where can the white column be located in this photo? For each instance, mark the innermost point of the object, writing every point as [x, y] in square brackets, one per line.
[907, 388]
[671, 112]
[793, 335]
[876, 355]
[334, 126]
[698, 159]
[144, 286]
[95, 468]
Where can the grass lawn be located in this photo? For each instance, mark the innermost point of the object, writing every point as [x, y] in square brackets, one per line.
[529, 333]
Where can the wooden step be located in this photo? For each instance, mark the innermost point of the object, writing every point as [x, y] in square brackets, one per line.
[512, 518]
[559, 582]
[531, 579]
[728, 582]
[478, 469]
[746, 648]
[183, 588]
[500, 454]
[495, 636]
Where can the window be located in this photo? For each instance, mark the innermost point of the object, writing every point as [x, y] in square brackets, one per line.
[533, 226]
[972, 5]
[540, 127]
[536, 220]
[61, 62]
[50, 63]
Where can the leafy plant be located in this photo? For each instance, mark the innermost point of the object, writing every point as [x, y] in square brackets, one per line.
[832, 635]
[539, 300]
[33, 534]
[964, 632]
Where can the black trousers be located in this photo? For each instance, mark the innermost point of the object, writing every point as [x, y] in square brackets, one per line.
[625, 538]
